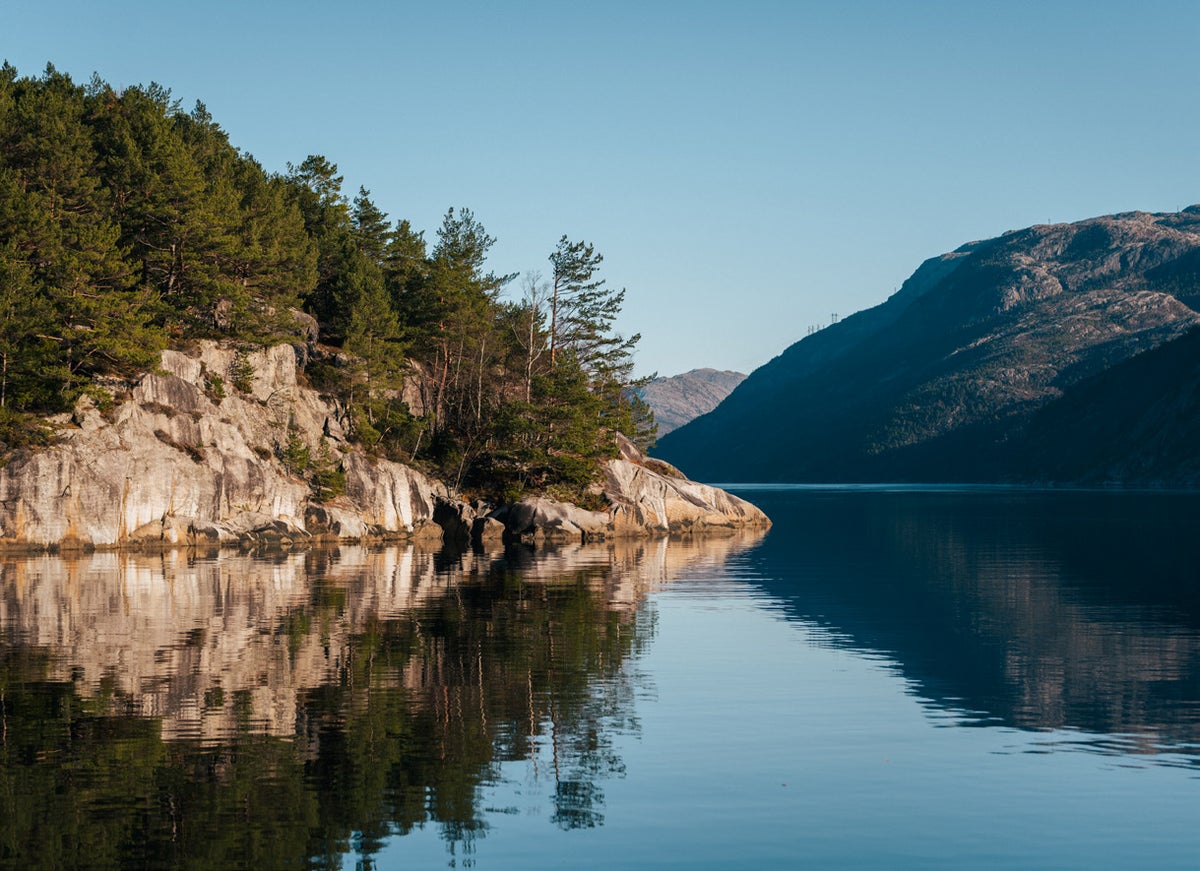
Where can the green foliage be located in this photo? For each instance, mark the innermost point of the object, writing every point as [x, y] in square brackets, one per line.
[328, 478]
[214, 386]
[106, 403]
[241, 373]
[19, 430]
[128, 225]
[294, 453]
[60, 244]
[582, 313]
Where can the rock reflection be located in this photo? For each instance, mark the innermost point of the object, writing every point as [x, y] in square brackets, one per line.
[167, 635]
[230, 710]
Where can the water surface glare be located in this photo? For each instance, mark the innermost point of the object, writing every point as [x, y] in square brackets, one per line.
[889, 678]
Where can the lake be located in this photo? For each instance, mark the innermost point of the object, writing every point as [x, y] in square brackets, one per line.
[889, 678]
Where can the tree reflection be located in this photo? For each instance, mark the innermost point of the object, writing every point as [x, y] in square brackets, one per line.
[234, 712]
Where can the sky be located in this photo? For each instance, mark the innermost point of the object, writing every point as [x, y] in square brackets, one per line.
[747, 170]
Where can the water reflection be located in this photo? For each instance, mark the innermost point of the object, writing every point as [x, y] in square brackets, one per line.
[229, 710]
[1043, 611]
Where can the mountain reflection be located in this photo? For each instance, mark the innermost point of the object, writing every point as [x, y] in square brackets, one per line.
[1041, 611]
[278, 712]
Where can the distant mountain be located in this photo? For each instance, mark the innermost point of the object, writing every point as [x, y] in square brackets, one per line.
[1020, 358]
[682, 398]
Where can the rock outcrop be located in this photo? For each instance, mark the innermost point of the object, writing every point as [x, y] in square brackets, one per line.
[188, 458]
[643, 496]
[196, 453]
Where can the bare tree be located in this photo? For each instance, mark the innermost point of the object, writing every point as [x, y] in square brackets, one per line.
[528, 329]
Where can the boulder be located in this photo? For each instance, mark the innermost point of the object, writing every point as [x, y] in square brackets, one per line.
[538, 519]
[487, 530]
[643, 499]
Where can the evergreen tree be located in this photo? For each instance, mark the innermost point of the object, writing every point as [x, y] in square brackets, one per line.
[583, 312]
[317, 191]
[27, 361]
[55, 217]
[276, 261]
[372, 231]
[456, 307]
[574, 267]
[127, 223]
[405, 271]
[373, 336]
[157, 192]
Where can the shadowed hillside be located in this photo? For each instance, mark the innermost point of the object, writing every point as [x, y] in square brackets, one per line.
[957, 375]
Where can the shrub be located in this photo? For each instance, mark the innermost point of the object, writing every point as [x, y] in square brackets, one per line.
[328, 479]
[241, 373]
[19, 430]
[294, 453]
[214, 386]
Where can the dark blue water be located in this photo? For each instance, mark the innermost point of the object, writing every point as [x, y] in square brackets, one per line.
[913, 678]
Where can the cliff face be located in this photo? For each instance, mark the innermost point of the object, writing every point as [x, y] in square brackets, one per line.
[681, 399]
[179, 463]
[944, 379]
[187, 458]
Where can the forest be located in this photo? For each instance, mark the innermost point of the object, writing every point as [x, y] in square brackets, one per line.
[129, 225]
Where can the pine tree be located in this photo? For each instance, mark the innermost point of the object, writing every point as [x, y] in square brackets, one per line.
[55, 215]
[316, 188]
[372, 231]
[127, 223]
[373, 331]
[27, 361]
[373, 336]
[276, 261]
[405, 275]
[573, 282]
[457, 305]
[583, 312]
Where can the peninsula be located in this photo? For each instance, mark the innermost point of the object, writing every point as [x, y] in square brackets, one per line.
[194, 350]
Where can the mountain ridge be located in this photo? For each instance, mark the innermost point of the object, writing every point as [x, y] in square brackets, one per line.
[680, 399]
[942, 379]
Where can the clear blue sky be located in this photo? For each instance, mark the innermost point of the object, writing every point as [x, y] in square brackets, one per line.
[746, 169]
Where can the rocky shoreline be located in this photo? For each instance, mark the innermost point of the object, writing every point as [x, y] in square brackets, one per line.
[187, 458]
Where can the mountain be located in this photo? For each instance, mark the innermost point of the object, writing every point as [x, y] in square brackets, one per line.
[1019, 358]
[681, 398]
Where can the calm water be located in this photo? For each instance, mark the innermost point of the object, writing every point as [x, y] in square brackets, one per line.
[887, 679]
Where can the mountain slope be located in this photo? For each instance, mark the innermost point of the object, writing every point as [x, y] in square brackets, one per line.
[1138, 421]
[943, 380]
[678, 399]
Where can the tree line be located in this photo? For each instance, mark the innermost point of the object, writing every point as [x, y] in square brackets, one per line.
[128, 225]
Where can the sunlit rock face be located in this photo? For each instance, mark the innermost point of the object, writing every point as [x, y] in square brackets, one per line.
[189, 458]
[214, 646]
[195, 456]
